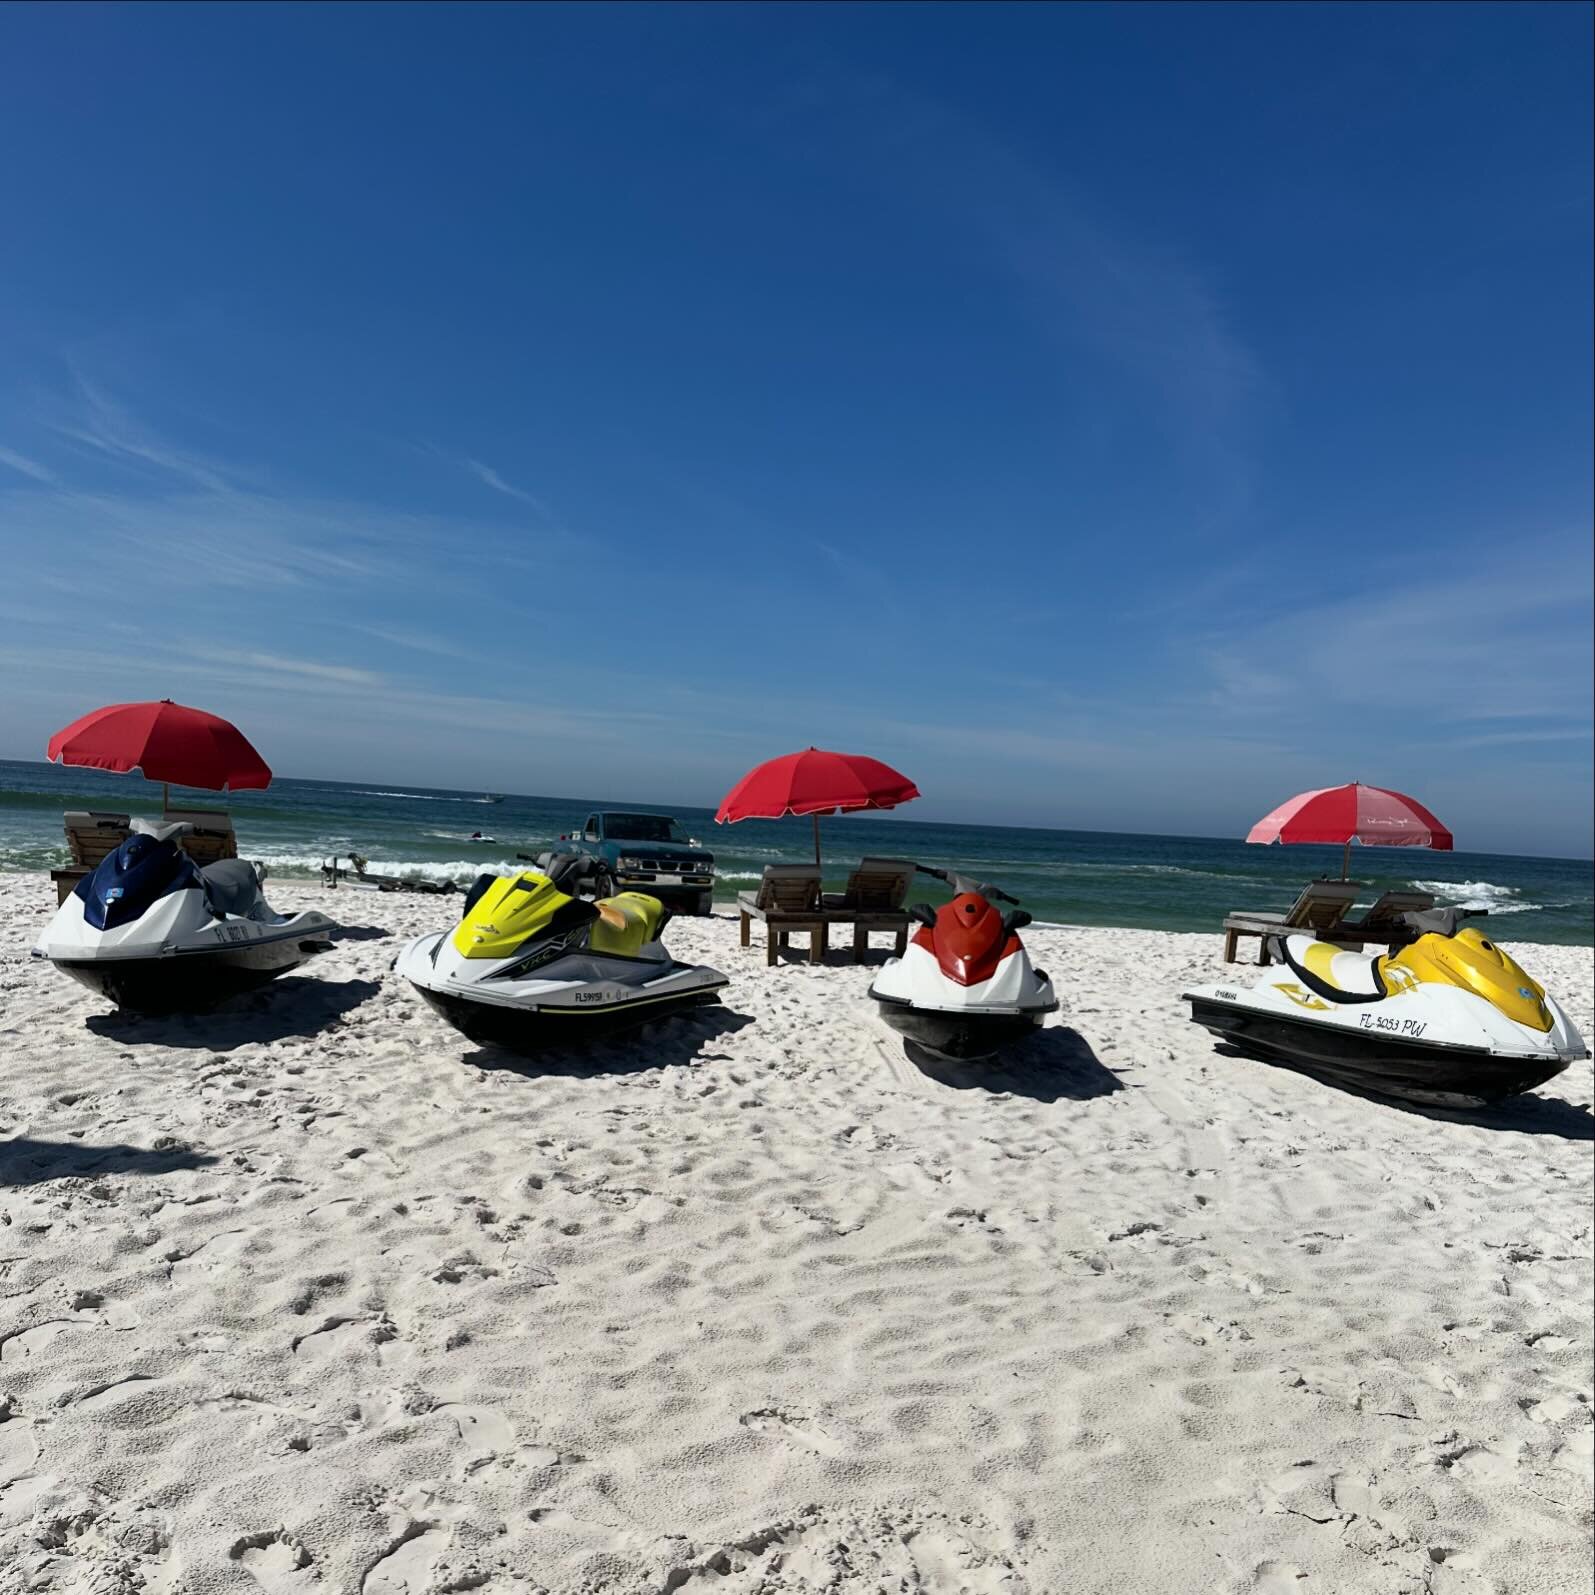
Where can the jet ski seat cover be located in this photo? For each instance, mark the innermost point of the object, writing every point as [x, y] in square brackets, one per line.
[642, 914]
[160, 830]
[232, 886]
[1333, 972]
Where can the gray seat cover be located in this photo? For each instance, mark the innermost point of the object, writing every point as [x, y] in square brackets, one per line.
[232, 886]
[162, 831]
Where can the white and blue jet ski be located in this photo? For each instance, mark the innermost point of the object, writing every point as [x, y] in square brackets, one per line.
[155, 932]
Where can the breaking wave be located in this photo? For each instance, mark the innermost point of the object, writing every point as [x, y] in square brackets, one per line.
[1476, 895]
[289, 865]
[410, 797]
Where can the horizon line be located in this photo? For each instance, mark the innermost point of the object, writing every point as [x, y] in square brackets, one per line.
[889, 814]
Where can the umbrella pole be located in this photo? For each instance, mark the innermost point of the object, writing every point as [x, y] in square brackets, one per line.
[816, 840]
[166, 796]
[1345, 864]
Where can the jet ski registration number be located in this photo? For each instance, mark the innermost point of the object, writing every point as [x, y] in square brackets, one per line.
[232, 933]
[1401, 1027]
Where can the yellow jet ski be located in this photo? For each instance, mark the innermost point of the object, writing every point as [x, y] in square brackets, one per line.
[531, 964]
[1446, 1018]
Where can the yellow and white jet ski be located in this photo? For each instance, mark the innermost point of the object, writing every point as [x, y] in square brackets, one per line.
[1447, 1018]
[533, 965]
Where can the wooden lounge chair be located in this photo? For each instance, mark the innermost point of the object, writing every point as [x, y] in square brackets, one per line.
[788, 899]
[1382, 922]
[873, 900]
[91, 835]
[1320, 908]
[212, 836]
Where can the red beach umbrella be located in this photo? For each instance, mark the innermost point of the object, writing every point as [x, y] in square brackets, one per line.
[167, 741]
[1371, 815]
[815, 781]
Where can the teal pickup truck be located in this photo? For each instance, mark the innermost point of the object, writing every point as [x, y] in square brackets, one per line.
[647, 853]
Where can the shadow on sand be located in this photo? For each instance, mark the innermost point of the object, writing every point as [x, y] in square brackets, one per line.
[298, 1005]
[1055, 1064]
[664, 1043]
[357, 933]
[24, 1161]
[1528, 1114]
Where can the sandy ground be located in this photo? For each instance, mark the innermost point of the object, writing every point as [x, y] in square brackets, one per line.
[310, 1296]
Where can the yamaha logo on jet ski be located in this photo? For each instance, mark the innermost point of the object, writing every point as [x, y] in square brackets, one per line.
[964, 987]
[1444, 1017]
[154, 931]
[532, 963]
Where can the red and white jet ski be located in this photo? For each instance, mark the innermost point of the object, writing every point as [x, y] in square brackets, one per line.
[964, 987]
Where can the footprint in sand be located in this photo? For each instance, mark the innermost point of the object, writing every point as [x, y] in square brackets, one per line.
[1278, 1578]
[481, 1428]
[18, 1496]
[791, 1426]
[28, 1342]
[407, 1568]
[217, 1252]
[1554, 1408]
[277, 1562]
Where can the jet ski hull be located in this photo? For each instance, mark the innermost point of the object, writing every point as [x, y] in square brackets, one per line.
[528, 1030]
[1386, 1065]
[181, 982]
[959, 1036]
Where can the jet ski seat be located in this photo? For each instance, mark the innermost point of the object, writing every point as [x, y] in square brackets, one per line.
[1331, 971]
[232, 886]
[642, 915]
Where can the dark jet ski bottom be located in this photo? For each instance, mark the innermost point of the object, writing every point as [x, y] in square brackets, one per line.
[958, 1037]
[1413, 1070]
[183, 982]
[532, 1030]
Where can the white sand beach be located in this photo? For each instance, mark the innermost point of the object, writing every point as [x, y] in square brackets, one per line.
[300, 1297]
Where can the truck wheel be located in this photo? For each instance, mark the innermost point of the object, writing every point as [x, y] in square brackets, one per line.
[604, 885]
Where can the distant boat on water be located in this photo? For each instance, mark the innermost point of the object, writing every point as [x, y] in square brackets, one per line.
[492, 797]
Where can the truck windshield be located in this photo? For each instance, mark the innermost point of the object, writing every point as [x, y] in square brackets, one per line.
[643, 828]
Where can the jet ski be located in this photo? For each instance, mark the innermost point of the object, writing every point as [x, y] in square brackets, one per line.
[533, 964]
[158, 933]
[1445, 1017]
[964, 986]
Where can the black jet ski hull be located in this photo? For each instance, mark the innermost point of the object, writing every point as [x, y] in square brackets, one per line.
[191, 982]
[959, 1037]
[529, 1030]
[1413, 1070]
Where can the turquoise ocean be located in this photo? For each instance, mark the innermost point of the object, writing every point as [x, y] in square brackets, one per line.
[1067, 877]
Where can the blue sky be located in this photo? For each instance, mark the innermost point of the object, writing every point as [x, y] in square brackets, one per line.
[1115, 418]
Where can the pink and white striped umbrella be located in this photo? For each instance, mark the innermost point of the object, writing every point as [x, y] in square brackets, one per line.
[1371, 815]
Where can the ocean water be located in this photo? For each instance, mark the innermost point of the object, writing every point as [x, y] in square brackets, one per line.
[1068, 877]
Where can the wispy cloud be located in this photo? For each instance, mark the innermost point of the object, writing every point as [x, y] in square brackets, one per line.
[486, 474]
[345, 675]
[106, 426]
[1146, 311]
[416, 641]
[1497, 642]
[26, 467]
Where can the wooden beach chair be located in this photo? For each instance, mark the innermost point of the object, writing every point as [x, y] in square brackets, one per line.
[91, 836]
[788, 899]
[1320, 908]
[212, 837]
[1383, 922]
[873, 900]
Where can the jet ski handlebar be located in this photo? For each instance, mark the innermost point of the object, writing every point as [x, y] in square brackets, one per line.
[963, 883]
[1439, 921]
